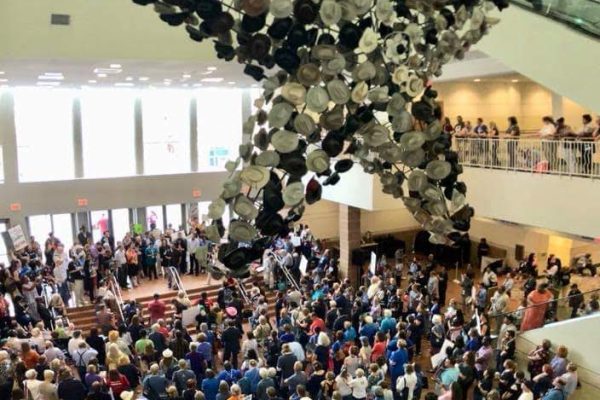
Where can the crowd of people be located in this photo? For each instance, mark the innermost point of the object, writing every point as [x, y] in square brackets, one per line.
[328, 338]
[562, 148]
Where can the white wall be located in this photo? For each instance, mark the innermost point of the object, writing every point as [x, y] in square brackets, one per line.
[548, 52]
[561, 204]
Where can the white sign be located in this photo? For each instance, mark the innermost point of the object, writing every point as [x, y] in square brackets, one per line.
[373, 264]
[438, 358]
[303, 265]
[17, 237]
[188, 317]
[296, 241]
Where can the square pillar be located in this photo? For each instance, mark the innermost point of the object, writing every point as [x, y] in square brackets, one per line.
[349, 220]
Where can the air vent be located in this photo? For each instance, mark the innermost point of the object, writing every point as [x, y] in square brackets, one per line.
[60, 19]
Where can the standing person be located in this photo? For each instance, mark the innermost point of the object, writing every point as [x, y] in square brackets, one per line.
[269, 270]
[513, 133]
[586, 134]
[131, 256]
[481, 132]
[75, 271]
[166, 258]
[483, 250]
[157, 309]
[494, 136]
[121, 262]
[575, 299]
[231, 343]
[443, 284]
[70, 388]
[60, 271]
[193, 243]
[537, 301]
[547, 134]
[150, 260]
[499, 306]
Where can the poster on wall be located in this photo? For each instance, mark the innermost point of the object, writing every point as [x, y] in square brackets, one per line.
[17, 236]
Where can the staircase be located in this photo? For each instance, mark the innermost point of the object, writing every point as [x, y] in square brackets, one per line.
[84, 318]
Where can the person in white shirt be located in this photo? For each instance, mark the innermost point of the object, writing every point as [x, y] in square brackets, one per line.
[269, 270]
[409, 381]
[526, 391]
[342, 382]
[193, 243]
[31, 385]
[61, 265]
[547, 134]
[74, 342]
[53, 353]
[570, 379]
[298, 350]
[121, 262]
[359, 385]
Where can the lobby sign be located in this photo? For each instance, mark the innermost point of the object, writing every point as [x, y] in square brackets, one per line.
[17, 237]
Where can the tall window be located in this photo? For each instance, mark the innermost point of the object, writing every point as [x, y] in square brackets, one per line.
[107, 119]
[120, 223]
[3, 250]
[219, 114]
[166, 122]
[61, 225]
[39, 227]
[44, 124]
[174, 216]
[99, 224]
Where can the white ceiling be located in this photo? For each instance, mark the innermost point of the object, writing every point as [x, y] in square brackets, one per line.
[181, 74]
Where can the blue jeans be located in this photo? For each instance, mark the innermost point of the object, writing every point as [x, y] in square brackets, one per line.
[63, 290]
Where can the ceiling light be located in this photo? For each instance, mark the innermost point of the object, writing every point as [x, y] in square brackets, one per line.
[129, 78]
[48, 83]
[515, 81]
[197, 85]
[185, 85]
[167, 83]
[115, 66]
[207, 73]
[477, 80]
[186, 76]
[53, 73]
[124, 84]
[3, 80]
[51, 77]
[1, 72]
[231, 83]
[92, 81]
[107, 71]
[213, 80]
[101, 75]
[143, 78]
[211, 68]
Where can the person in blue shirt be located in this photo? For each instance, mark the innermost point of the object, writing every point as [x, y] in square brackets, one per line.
[349, 332]
[396, 362]
[369, 329]
[252, 375]
[210, 385]
[388, 323]
[229, 374]
[557, 392]
[474, 342]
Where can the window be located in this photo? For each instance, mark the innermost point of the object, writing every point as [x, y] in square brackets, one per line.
[154, 215]
[120, 223]
[63, 230]
[3, 251]
[174, 216]
[39, 227]
[44, 125]
[99, 224]
[219, 114]
[166, 122]
[107, 119]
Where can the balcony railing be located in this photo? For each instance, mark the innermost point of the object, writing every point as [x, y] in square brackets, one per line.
[558, 157]
[583, 15]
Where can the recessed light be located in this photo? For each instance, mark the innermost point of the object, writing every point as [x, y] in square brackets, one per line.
[53, 73]
[2, 72]
[143, 78]
[48, 83]
[124, 84]
[167, 83]
[51, 77]
[115, 66]
[211, 68]
[231, 83]
[92, 81]
[515, 81]
[197, 85]
[129, 78]
[186, 76]
[213, 80]
[101, 75]
[477, 80]
[207, 72]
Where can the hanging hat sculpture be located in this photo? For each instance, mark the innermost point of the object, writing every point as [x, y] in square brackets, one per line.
[349, 88]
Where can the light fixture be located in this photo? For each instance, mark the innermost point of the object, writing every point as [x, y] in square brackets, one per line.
[124, 84]
[143, 78]
[2, 72]
[92, 81]
[186, 76]
[101, 75]
[47, 77]
[477, 80]
[185, 85]
[231, 83]
[197, 85]
[3, 80]
[115, 66]
[167, 83]
[211, 68]
[129, 78]
[207, 72]
[211, 80]
[48, 83]
[514, 80]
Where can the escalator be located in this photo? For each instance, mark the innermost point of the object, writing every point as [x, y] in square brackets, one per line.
[553, 42]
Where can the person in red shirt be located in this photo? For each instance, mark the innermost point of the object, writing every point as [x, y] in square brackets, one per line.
[157, 309]
[316, 323]
[117, 382]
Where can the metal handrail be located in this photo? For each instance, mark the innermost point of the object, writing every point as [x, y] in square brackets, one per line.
[565, 157]
[118, 296]
[286, 272]
[177, 280]
[243, 292]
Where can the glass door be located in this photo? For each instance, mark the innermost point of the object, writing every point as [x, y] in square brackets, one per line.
[99, 224]
[120, 223]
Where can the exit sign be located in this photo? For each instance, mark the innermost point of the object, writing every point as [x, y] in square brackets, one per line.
[82, 202]
[15, 207]
[196, 193]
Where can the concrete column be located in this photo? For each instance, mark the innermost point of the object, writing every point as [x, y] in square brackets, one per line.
[141, 217]
[77, 139]
[8, 139]
[557, 105]
[139, 137]
[193, 135]
[349, 220]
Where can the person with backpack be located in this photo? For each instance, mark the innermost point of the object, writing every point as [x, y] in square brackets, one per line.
[406, 384]
[155, 385]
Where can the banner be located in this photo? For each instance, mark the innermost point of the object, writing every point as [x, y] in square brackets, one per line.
[303, 265]
[18, 237]
[373, 264]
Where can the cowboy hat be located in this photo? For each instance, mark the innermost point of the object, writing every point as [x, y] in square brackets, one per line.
[285, 141]
[317, 161]
[244, 207]
[267, 158]
[216, 209]
[304, 124]
[280, 114]
[313, 191]
[338, 91]
[412, 140]
[438, 169]
[293, 194]
[294, 92]
[317, 99]
[255, 176]
[241, 231]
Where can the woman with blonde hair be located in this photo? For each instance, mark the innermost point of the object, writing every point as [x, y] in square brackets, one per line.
[359, 385]
[113, 354]
[236, 393]
[37, 339]
[559, 362]
[48, 389]
[114, 337]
